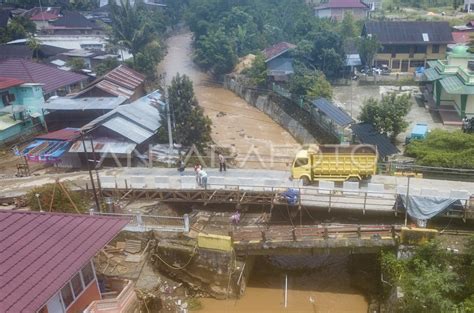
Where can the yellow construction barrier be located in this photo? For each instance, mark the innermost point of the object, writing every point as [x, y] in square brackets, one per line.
[416, 236]
[215, 242]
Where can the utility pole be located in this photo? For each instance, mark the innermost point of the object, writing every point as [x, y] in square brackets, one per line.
[90, 173]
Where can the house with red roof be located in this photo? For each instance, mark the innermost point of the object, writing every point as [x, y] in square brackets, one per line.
[335, 9]
[278, 60]
[53, 80]
[20, 109]
[46, 262]
[43, 16]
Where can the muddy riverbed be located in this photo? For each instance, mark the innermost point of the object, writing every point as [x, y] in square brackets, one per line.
[255, 139]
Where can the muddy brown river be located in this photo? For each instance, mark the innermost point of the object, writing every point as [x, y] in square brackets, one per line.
[255, 138]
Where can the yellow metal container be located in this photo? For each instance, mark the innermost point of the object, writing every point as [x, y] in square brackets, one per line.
[215, 242]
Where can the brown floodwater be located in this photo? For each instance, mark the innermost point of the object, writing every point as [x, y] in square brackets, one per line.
[320, 284]
[252, 136]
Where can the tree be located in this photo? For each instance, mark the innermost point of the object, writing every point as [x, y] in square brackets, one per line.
[106, 66]
[309, 83]
[215, 52]
[257, 73]
[76, 64]
[444, 149]
[321, 88]
[132, 29]
[387, 115]
[348, 26]
[34, 45]
[147, 59]
[368, 47]
[18, 28]
[192, 127]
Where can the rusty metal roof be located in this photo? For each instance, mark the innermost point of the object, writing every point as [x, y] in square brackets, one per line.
[7, 82]
[66, 134]
[40, 252]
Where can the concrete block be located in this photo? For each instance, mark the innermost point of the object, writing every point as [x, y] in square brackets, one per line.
[326, 186]
[137, 182]
[401, 190]
[107, 181]
[460, 194]
[351, 188]
[375, 190]
[214, 242]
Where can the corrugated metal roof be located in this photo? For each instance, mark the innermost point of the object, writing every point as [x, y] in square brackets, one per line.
[336, 114]
[43, 251]
[367, 134]
[31, 72]
[104, 145]
[66, 134]
[128, 129]
[82, 104]
[7, 82]
[431, 74]
[114, 89]
[346, 4]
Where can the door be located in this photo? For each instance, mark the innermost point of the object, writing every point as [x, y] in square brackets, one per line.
[404, 66]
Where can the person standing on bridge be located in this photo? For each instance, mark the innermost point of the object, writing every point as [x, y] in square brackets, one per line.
[197, 168]
[203, 178]
[222, 163]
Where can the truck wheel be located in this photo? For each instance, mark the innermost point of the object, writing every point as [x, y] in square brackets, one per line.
[306, 181]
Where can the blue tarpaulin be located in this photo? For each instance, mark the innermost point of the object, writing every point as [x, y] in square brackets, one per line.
[291, 195]
[424, 208]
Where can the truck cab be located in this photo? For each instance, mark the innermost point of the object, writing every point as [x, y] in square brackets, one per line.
[301, 167]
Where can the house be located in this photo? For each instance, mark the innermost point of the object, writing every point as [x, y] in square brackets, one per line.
[53, 80]
[450, 86]
[5, 16]
[23, 51]
[62, 112]
[73, 23]
[43, 16]
[407, 46]
[20, 109]
[365, 133]
[91, 58]
[128, 129]
[335, 9]
[279, 61]
[121, 81]
[46, 260]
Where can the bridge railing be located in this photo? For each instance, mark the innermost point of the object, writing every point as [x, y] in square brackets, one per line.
[141, 222]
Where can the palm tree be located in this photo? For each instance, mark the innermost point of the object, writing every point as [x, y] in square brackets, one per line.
[35, 45]
[132, 29]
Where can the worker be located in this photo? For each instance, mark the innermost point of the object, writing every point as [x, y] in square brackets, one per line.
[202, 178]
[197, 168]
[221, 163]
[181, 167]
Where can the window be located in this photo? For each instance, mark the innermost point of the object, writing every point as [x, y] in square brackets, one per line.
[417, 63]
[76, 283]
[66, 294]
[395, 64]
[420, 49]
[87, 274]
[435, 49]
[301, 162]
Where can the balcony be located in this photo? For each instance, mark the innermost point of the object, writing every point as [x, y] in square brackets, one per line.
[120, 299]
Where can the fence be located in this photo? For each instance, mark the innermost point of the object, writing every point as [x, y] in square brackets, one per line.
[141, 223]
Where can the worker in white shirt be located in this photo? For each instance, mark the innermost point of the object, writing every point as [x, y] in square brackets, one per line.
[203, 178]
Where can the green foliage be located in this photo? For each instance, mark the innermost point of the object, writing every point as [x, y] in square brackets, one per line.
[192, 127]
[444, 149]
[309, 83]
[76, 64]
[348, 26]
[19, 27]
[60, 200]
[387, 115]
[106, 66]
[147, 59]
[428, 282]
[215, 52]
[257, 73]
[368, 47]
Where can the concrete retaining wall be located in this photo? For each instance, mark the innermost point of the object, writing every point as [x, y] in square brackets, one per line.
[267, 105]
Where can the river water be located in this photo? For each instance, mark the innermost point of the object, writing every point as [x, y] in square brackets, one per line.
[255, 138]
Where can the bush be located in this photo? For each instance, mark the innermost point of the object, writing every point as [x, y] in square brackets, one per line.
[444, 149]
[60, 202]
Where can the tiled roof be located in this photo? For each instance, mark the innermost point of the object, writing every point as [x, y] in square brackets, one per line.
[7, 82]
[121, 81]
[367, 134]
[276, 50]
[72, 19]
[31, 72]
[40, 252]
[343, 4]
[408, 32]
[66, 134]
